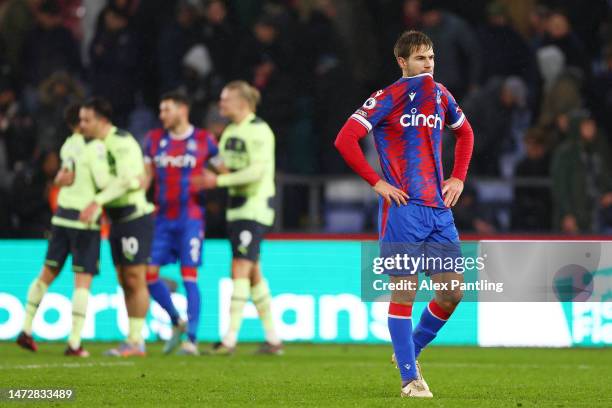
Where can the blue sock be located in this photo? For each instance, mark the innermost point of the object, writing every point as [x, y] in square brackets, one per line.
[432, 320]
[193, 309]
[161, 294]
[400, 328]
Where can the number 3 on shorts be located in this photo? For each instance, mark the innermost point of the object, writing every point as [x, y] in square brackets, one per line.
[194, 243]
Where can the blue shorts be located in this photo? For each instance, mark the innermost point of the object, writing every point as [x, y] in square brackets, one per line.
[422, 232]
[180, 240]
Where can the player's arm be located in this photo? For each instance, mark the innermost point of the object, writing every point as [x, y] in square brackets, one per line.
[260, 149]
[464, 135]
[347, 143]
[128, 163]
[98, 164]
[149, 173]
[65, 175]
[215, 161]
[453, 186]
[148, 162]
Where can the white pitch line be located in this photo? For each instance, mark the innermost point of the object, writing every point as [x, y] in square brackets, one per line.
[65, 365]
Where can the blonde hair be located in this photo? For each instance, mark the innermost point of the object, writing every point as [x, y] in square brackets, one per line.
[247, 92]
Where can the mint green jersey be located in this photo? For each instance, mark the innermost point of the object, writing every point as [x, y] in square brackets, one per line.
[247, 150]
[127, 167]
[87, 159]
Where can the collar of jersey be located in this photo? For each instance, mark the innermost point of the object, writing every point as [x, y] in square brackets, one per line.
[112, 131]
[247, 119]
[185, 136]
[420, 75]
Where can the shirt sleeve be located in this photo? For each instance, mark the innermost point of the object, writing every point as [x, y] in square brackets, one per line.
[129, 166]
[213, 149]
[374, 109]
[454, 114]
[98, 164]
[147, 148]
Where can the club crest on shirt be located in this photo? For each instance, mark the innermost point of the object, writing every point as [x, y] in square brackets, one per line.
[163, 143]
[438, 97]
[192, 145]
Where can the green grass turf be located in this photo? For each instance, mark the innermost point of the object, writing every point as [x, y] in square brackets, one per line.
[316, 375]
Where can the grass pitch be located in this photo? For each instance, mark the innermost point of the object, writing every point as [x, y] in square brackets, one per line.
[315, 375]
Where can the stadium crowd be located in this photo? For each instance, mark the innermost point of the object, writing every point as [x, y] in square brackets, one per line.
[533, 77]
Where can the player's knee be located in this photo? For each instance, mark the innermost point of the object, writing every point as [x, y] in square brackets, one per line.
[448, 300]
[48, 274]
[402, 297]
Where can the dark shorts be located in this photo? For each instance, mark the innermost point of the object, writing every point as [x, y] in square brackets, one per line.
[423, 232]
[245, 237]
[83, 245]
[130, 241]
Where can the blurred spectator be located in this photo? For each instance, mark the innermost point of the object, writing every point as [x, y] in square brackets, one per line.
[55, 93]
[470, 215]
[214, 122]
[538, 16]
[599, 91]
[30, 195]
[559, 33]
[582, 177]
[563, 96]
[265, 61]
[220, 35]
[506, 52]
[17, 21]
[327, 87]
[458, 54]
[497, 113]
[17, 134]
[197, 68]
[49, 46]
[176, 38]
[531, 205]
[115, 62]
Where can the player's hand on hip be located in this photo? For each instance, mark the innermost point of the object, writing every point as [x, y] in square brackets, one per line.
[451, 191]
[88, 215]
[388, 192]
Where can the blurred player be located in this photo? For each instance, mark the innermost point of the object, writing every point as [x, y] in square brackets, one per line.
[84, 171]
[125, 203]
[174, 156]
[407, 119]
[247, 149]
